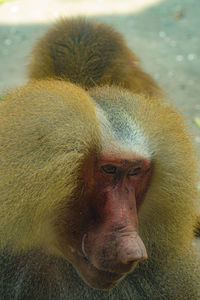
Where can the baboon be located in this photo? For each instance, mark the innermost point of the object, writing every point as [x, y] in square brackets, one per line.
[98, 189]
[89, 54]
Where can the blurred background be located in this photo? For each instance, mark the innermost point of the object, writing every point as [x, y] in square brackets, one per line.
[163, 33]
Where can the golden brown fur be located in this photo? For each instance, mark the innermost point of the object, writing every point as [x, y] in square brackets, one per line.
[48, 129]
[52, 132]
[89, 53]
[43, 127]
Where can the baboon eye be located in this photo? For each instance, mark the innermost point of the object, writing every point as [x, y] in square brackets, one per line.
[134, 172]
[109, 169]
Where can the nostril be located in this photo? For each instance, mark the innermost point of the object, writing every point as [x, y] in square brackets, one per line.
[130, 260]
[133, 253]
[131, 264]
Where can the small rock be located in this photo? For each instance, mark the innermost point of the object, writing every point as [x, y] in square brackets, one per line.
[7, 42]
[162, 34]
[191, 56]
[179, 58]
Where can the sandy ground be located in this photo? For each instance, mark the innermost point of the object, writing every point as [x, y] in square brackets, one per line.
[164, 34]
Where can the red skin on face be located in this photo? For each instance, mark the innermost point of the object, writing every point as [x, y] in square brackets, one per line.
[117, 186]
[109, 245]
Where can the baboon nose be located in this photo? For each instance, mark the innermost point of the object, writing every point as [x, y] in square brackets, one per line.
[133, 252]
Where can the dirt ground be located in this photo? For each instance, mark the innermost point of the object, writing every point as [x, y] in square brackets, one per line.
[164, 34]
